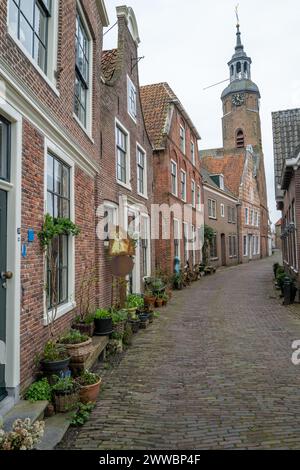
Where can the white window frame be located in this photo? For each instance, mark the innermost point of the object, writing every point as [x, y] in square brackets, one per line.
[183, 198]
[199, 198]
[127, 184]
[146, 217]
[185, 241]
[182, 139]
[193, 189]
[212, 208]
[193, 152]
[52, 44]
[176, 223]
[145, 179]
[114, 208]
[222, 208]
[193, 244]
[221, 181]
[246, 216]
[70, 305]
[245, 246]
[131, 87]
[89, 98]
[176, 178]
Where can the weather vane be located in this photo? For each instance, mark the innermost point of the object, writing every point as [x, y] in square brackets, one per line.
[237, 14]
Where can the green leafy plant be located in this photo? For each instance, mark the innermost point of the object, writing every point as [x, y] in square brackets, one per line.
[102, 314]
[134, 301]
[82, 414]
[117, 336]
[64, 385]
[88, 378]
[52, 229]
[54, 352]
[40, 390]
[118, 317]
[74, 337]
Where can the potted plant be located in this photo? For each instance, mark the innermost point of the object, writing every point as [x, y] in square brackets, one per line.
[159, 301]
[177, 281]
[165, 298]
[134, 322]
[144, 320]
[55, 359]
[84, 322]
[66, 395]
[119, 320]
[149, 299]
[77, 344]
[134, 302]
[103, 322]
[24, 435]
[89, 387]
[275, 267]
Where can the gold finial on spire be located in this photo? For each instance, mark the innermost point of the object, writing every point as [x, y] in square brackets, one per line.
[237, 14]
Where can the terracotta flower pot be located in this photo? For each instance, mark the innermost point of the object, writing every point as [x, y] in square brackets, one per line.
[79, 352]
[159, 303]
[89, 393]
[149, 301]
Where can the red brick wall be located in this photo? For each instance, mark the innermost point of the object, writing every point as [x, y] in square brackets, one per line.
[162, 184]
[114, 105]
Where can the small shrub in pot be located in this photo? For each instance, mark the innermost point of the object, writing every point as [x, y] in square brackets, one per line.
[89, 386]
[103, 322]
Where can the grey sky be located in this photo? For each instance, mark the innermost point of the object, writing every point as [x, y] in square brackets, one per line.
[188, 45]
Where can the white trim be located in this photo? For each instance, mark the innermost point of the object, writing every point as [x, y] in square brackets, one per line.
[52, 42]
[184, 141]
[175, 163]
[131, 85]
[146, 216]
[52, 148]
[179, 229]
[89, 110]
[83, 128]
[13, 301]
[145, 194]
[127, 184]
[222, 207]
[215, 211]
[218, 193]
[193, 197]
[185, 183]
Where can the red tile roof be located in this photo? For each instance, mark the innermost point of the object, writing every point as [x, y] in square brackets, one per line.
[108, 63]
[156, 99]
[279, 222]
[231, 166]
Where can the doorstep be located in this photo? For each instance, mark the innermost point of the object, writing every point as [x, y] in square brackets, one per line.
[55, 429]
[22, 410]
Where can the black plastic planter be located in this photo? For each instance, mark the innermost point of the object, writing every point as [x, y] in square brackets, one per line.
[57, 368]
[103, 326]
[289, 291]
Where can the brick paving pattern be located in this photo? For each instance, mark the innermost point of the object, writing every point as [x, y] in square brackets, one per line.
[214, 372]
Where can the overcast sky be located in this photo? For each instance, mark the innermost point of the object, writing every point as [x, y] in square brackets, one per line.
[188, 44]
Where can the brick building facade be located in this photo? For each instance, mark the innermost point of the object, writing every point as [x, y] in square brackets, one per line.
[286, 136]
[221, 214]
[50, 126]
[241, 159]
[125, 192]
[177, 179]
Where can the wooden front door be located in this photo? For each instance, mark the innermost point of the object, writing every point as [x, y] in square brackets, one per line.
[223, 249]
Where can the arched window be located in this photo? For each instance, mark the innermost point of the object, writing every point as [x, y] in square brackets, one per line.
[245, 67]
[238, 67]
[232, 70]
[240, 140]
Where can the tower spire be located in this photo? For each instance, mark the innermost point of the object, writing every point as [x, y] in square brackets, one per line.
[238, 33]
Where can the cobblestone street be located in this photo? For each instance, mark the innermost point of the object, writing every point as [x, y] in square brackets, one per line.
[213, 372]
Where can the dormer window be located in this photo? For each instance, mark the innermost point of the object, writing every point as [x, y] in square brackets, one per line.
[240, 140]
[221, 181]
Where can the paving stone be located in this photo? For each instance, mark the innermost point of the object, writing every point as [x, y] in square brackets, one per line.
[213, 372]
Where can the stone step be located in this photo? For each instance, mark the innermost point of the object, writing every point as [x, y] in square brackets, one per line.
[55, 429]
[24, 409]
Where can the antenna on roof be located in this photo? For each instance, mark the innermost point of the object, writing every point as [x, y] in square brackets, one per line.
[215, 84]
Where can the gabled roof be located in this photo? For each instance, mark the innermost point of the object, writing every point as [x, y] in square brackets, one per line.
[108, 63]
[156, 100]
[278, 223]
[207, 178]
[231, 166]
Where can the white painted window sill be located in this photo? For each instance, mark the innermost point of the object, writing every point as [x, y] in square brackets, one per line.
[144, 196]
[125, 185]
[83, 128]
[5, 185]
[61, 311]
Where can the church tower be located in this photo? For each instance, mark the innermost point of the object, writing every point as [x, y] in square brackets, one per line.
[241, 120]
